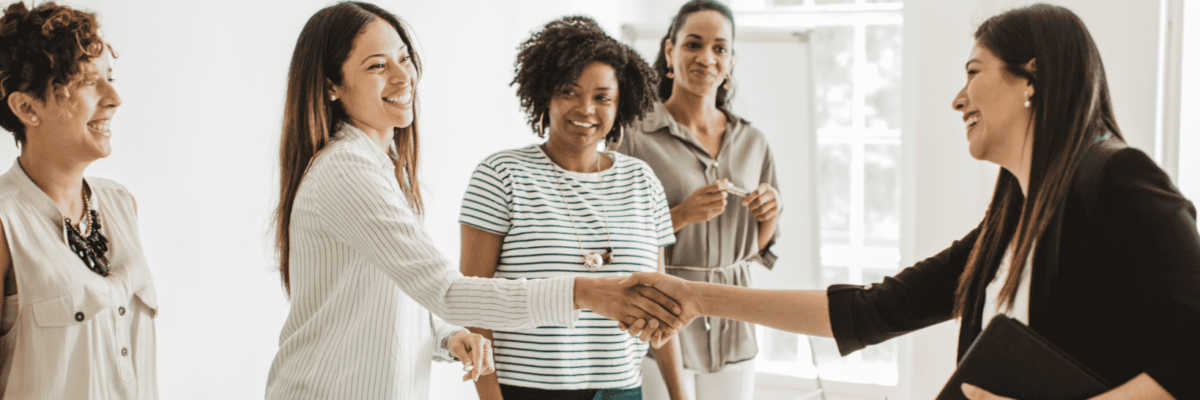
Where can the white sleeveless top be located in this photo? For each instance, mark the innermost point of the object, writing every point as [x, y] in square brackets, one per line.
[78, 335]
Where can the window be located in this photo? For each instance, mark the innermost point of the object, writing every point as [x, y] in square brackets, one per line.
[856, 54]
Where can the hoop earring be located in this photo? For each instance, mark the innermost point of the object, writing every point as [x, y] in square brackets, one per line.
[537, 126]
[670, 72]
[1026, 99]
[614, 144]
[727, 86]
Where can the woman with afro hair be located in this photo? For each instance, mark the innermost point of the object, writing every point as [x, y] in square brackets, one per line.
[562, 208]
[79, 303]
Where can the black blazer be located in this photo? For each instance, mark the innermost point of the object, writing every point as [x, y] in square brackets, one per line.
[1116, 280]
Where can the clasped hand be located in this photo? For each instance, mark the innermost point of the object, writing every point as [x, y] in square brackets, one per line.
[646, 305]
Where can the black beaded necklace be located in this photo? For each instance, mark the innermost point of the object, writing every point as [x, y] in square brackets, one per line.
[91, 248]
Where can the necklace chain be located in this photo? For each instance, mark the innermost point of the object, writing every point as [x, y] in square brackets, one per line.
[603, 205]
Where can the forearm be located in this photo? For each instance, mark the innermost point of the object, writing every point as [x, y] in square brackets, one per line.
[799, 311]
[488, 385]
[766, 232]
[1140, 387]
[678, 219]
[670, 362]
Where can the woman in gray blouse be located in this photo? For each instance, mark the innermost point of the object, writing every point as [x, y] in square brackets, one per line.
[704, 154]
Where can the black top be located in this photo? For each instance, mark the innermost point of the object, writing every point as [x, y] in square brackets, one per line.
[1116, 280]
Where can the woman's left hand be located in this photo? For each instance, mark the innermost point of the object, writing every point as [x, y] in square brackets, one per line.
[975, 393]
[475, 352]
[763, 201]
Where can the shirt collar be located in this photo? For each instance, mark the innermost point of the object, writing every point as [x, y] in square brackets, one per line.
[660, 118]
[33, 194]
[358, 139]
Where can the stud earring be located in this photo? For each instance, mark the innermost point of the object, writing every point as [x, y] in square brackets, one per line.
[1026, 99]
[34, 119]
[332, 97]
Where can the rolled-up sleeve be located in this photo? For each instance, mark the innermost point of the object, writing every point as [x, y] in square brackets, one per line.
[363, 208]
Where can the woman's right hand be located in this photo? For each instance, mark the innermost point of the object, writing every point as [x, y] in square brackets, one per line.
[704, 204]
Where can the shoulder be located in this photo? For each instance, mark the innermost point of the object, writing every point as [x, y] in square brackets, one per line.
[633, 169]
[109, 186]
[745, 131]
[339, 157]
[1112, 173]
[519, 161]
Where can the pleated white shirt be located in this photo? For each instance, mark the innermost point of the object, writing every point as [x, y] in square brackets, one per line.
[365, 278]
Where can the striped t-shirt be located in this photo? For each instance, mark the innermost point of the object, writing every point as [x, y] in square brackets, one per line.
[515, 194]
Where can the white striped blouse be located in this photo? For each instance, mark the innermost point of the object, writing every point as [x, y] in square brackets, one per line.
[365, 275]
[550, 218]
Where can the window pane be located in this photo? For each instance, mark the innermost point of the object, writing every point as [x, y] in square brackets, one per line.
[881, 202]
[883, 67]
[834, 186]
[833, 71]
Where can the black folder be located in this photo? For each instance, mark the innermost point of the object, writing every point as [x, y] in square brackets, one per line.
[1011, 360]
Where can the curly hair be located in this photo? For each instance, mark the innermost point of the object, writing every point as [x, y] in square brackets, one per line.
[555, 57]
[43, 51]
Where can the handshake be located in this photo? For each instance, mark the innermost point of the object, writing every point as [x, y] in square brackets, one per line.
[651, 306]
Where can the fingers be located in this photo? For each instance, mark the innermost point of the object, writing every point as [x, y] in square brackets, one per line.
[636, 327]
[486, 363]
[656, 295]
[649, 332]
[657, 311]
[976, 393]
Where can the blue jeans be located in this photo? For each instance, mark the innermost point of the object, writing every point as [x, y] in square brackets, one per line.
[524, 393]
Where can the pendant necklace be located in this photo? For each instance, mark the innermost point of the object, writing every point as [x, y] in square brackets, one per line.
[593, 260]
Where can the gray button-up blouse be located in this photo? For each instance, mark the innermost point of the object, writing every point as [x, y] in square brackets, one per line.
[723, 249]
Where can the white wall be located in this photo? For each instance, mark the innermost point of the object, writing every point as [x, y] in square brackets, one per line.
[1189, 121]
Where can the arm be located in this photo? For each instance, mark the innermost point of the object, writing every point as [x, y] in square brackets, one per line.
[917, 297]
[765, 204]
[480, 254]
[355, 204]
[1149, 229]
[668, 357]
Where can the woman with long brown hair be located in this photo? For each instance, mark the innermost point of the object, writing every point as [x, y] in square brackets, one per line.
[1086, 240]
[362, 274]
[78, 320]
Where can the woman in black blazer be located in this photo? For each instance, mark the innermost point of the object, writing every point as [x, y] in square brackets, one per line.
[1109, 254]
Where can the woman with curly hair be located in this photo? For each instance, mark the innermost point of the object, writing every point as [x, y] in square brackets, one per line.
[563, 208]
[703, 153]
[79, 302]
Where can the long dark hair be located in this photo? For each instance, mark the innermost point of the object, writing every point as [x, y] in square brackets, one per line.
[311, 119]
[665, 84]
[1071, 111]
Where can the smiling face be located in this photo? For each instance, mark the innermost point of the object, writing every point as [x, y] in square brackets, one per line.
[378, 79]
[992, 102]
[77, 125]
[700, 52]
[582, 113]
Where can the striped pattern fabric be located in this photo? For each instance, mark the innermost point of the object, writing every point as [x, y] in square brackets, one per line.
[364, 277]
[515, 194]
